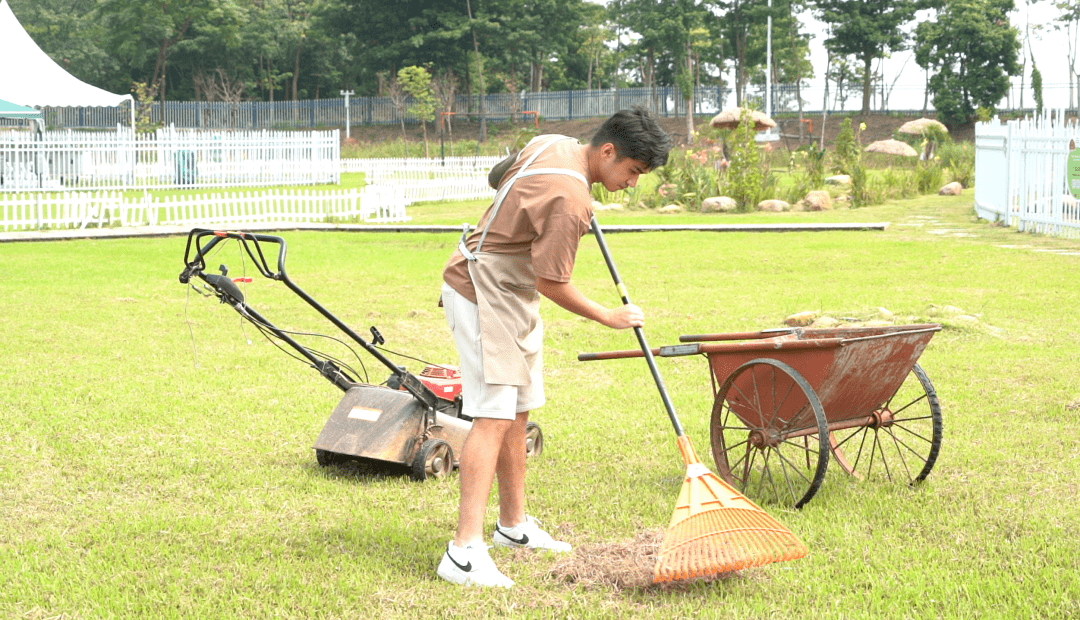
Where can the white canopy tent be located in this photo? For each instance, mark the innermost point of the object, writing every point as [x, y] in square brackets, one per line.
[29, 77]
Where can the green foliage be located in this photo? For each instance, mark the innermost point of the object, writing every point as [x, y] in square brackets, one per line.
[929, 177]
[1037, 87]
[970, 50]
[416, 81]
[959, 160]
[144, 98]
[867, 30]
[748, 177]
[846, 149]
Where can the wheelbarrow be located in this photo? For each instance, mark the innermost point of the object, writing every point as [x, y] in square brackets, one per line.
[785, 399]
[409, 420]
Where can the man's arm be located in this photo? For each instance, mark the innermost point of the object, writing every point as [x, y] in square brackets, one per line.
[569, 297]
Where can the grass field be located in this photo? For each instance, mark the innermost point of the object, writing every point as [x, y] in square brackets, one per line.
[156, 461]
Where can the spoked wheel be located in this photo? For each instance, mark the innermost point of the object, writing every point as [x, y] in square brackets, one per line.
[769, 434]
[435, 459]
[903, 440]
[534, 440]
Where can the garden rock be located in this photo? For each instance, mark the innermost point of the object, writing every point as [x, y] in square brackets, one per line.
[672, 208]
[615, 206]
[818, 200]
[825, 322]
[952, 189]
[718, 204]
[773, 205]
[800, 319]
[839, 179]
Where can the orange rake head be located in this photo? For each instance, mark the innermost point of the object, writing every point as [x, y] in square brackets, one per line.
[715, 529]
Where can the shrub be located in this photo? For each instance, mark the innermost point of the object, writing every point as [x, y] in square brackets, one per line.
[748, 181]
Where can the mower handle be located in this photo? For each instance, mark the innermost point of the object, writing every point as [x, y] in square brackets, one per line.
[195, 266]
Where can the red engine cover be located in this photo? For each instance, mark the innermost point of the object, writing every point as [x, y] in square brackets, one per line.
[445, 381]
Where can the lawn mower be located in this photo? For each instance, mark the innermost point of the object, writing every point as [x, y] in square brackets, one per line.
[410, 420]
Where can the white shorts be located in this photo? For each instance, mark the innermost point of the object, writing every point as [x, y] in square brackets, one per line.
[480, 398]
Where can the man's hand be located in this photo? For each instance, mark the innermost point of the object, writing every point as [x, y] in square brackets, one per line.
[625, 317]
[569, 297]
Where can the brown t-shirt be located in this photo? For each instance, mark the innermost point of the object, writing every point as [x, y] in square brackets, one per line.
[543, 215]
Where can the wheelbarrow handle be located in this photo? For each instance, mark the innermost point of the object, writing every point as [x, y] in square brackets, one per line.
[645, 350]
[613, 355]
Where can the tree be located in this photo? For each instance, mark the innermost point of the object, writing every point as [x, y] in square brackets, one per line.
[867, 30]
[142, 34]
[1069, 21]
[972, 51]
[416, 82]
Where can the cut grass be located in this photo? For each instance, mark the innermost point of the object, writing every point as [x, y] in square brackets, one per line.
[149, 472]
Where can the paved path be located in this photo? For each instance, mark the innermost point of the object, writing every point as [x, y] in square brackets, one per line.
[169, 231]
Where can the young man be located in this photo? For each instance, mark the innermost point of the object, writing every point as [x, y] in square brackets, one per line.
[524, 246]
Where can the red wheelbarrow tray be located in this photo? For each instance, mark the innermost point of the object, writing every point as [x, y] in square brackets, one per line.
[853, 370]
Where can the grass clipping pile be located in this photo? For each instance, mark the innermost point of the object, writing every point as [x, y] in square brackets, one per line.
[619, 566]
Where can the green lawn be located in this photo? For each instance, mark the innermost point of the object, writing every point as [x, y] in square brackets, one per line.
[156, 461]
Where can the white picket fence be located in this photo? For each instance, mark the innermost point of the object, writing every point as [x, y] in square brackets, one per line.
[1020, 176]
[44, 210]
[168, 158]
[393, 184]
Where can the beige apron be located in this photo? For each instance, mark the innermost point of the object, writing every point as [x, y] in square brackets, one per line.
[511, 333]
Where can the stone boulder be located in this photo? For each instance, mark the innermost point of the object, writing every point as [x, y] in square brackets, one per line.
[672, 208]
[800, 319]
[615, 206]
[952, 189]
[839, 179]
[817, 200]
[773, 205]
[718, 204]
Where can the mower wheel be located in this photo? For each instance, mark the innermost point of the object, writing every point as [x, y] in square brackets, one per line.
[326, 458]
[534, 440]
[434, 460]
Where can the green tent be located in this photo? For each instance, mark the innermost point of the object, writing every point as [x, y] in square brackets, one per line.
[12, 110]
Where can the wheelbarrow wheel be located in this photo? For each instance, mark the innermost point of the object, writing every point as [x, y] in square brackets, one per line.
[902, 442]
[435, 459]
[769, 434]
[534, 440]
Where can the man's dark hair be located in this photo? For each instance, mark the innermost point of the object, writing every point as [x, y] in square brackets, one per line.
[635, 134]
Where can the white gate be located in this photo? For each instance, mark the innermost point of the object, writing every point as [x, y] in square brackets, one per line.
[1020, 175]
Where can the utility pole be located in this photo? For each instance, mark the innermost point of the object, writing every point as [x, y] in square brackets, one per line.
[347, 93]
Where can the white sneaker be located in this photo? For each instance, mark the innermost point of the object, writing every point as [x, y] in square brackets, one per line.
[471, 565]
[528, 535]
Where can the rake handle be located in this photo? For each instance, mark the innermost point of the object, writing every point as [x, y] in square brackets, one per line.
[640, 333]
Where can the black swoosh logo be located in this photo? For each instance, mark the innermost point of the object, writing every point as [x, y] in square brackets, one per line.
[524, 540]
[467, 567]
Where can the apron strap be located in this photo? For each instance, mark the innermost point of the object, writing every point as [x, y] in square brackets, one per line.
[505, 189]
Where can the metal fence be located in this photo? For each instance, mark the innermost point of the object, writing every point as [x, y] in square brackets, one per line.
[121, 159]
[665, 101]
[1020, 171]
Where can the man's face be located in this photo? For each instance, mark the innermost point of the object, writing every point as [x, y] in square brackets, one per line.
[615, 173]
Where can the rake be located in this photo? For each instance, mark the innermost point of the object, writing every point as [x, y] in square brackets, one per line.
[714, 529]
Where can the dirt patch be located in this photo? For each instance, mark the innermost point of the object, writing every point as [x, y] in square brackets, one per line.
[620, 566]
[878, 127]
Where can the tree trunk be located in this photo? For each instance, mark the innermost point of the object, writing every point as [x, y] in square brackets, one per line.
[867, 79]
[689, 100]
[296, 68]
[480, 74]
